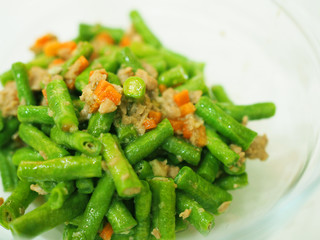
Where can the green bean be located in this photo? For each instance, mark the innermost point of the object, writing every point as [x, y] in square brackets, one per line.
[7, 170]
[6, 77]
[235, 169]
[147, 143]
[181, 225]
[163, 208]
[80, 141]
[10, 127]
[220, 94]
[20, 74]
[85, 185]
[120, 217]
[174, 76]
[233, 182]
[128, 59]
[224, 124]
[26, 153]
[183, 150]
[142, 204]
[68, 231]
[126, 180]
[83, 49]
[219, 149]
[113, 78]
[60, 193]
[109, 63]
[60, 103]
[121, 237]
[60, 169]
[45, 218]
[40, 60]
[174, 59]
[253, 112]
[87, 32]
[209, 167]
[46, 129]
[141, 27]
[35, 114]
[40, 142]
[134, 88]
[100, 123]
[195, 83]
[212, 198]
[157, 62]
[126, 133]
[142, 50]
[96, 209]
[16, 203]
[202, 220]
[1, 121]
[143, 170]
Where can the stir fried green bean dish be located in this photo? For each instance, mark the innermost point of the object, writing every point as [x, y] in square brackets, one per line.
[117, 137]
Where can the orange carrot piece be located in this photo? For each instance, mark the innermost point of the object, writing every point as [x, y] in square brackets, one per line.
[186, 131]
[162, 88]
[149, 123]
[40, 42]
[83, 62]
[177, 125]
[106, 232]
[187, 108]
[51, 48]
[44, 93]
[105, 37]
[201, 141]
[105, 90]
[125, 41]
[57, 61]
[113, 95]
[100, 90]
[1, 201]
[155, 115]
[94, 107]
[70, 45]
[181, 98]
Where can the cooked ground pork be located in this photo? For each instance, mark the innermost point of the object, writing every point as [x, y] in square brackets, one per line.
[258, 148]
[245, 120]
[162, 169]
[107, 106]
[238, 150]
[9, 100]
[155, 232]
[151, 82]
[196, 126]
[169, 108]
[125, 73]
[38, 189]
[195, 96]
[133, 35]
[38, 76]
[185, 214]
[64, 53]
[73, 71]
[150, 69]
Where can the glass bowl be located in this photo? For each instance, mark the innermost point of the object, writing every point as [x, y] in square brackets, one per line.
[260, 51]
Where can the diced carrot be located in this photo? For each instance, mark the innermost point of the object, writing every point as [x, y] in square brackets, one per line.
[201, 140]
[113, 95]
[57, 61]
[51, 48]
[177, 125]
[105, 90]
[187, 108]
[40, 42]
[94, 107]
[1, 201]
[162, 88]
[70, 45]
[105, 37]
[181, 98]
[149, 123]
[102, 71]
[44, 93]
[125, 41]
[155, 115]
[83, 63]
[186, 131]
[106, 232]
